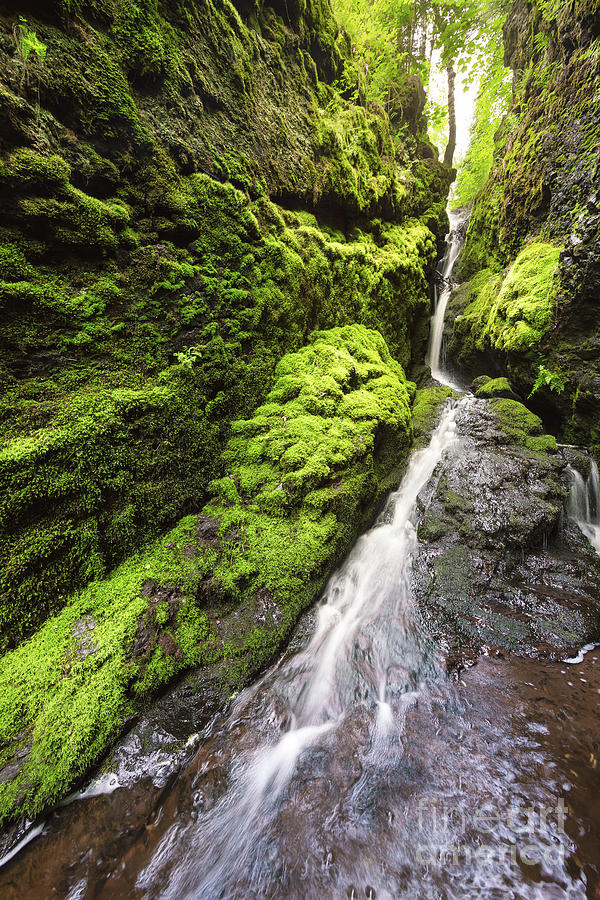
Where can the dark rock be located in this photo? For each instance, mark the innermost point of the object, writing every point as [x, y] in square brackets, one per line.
[498, 563]
[207, 530]
[83, 630]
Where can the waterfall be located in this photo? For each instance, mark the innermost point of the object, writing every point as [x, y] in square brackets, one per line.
[435, 357]
[583, 504]
[367, 649]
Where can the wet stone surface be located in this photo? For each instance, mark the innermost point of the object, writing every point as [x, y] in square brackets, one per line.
[405, 782]
[454, 812]
[498, 562]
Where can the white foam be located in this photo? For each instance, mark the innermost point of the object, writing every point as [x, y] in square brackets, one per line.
[575, 660]
[30, 836]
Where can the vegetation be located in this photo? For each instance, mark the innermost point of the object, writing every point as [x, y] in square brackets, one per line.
[495, 89]
[302, 475]
[521, 426]
[547, 379]
[178, 230]
[394, 40]
[509, 311]
[144, 307]
[220, 226]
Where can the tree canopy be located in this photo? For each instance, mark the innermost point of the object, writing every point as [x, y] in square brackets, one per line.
[393, 39]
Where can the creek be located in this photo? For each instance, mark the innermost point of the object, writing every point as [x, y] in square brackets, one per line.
[362, 764]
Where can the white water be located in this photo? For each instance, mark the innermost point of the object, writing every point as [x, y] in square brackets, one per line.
[367, 634]
[435, 355]
[584, 503]
[366, 629]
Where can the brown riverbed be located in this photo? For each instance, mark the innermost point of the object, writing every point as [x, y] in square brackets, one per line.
[431, 819]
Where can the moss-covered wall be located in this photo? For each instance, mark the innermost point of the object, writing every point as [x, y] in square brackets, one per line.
[302, 476]
[185, 198]
[543, 192]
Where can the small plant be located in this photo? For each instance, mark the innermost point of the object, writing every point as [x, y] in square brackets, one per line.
[546, 378]
[188, 357]
[28, 42]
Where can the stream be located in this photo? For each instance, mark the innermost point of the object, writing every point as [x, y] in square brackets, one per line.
[359, 765]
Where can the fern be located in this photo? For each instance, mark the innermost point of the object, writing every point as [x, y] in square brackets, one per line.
[28, 42]
[546, 378]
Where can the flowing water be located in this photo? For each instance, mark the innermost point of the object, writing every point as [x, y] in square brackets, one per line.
[584, 503]
[356, 767]
[435, 358]
[367, 654]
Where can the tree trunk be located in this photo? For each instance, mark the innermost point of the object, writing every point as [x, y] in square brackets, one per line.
[451, 146]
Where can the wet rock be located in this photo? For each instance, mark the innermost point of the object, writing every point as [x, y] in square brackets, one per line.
[209, 788]
[495, 387]
[498, 563]
[207, 530]
[83, 631]
[13, 767]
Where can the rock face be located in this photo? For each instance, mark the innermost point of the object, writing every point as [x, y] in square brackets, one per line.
[185, 199]
[499, 565]
[541, 198]
[223, 589]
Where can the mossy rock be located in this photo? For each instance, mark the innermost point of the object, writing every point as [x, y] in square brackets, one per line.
[496, 387]
[426, 410]
[303, 475]
[521, 426]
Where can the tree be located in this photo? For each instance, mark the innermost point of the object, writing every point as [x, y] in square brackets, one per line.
[394, 39]
[451, 145]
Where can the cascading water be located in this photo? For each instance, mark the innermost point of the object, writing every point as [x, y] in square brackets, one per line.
[435, 355]
[584, 502]
[332, 776]
[367, 651]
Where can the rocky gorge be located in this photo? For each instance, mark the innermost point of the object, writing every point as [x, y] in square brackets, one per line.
[217, 411]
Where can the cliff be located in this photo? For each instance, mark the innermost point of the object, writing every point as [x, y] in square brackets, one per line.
[531, 264]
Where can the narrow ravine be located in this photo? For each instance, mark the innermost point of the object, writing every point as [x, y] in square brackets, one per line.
[356, 767]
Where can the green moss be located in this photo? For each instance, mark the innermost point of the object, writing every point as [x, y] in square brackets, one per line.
[521, 426]
[455, 503]
[525, 303]
[495, 387]
[107, 465]
[426, 410]
[511, 311]
[431, 528]
[302, 476]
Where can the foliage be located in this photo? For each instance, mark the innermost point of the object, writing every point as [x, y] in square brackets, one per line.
[29, 42]
[377, 59]
[303, 473]
[392, 39]
[546, 378]
[188, 357]
[492, 103]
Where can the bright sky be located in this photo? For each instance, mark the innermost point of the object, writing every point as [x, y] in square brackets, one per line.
[465, 103]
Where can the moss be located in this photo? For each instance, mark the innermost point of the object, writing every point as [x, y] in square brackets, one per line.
[117, 456]
[303, 474]
[454, 503]
[495, 387]
[508, 312]
[521, 426]
[431, 528]
[426, 410]
[523, 310]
